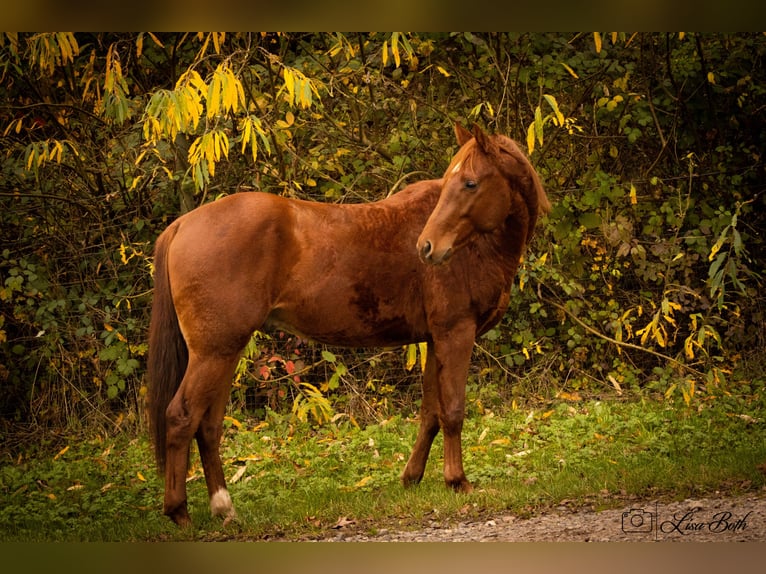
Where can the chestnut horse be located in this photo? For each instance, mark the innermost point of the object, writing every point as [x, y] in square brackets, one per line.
[433, 263]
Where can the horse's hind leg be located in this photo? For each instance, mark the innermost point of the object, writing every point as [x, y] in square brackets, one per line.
[429, 423]
[197, 410]
[209, 440]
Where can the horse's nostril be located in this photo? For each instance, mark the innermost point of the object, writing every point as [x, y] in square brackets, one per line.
[426, 250]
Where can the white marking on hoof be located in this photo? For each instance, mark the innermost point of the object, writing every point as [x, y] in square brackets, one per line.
[220, 505]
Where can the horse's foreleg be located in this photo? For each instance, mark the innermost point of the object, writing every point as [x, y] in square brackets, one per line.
[453, 354]
[209, 439]
[429, 423]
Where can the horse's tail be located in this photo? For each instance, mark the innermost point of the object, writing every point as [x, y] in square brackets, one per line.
[168, 354]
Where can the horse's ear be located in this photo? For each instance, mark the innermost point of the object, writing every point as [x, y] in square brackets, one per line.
[483, 140]
[462, 134]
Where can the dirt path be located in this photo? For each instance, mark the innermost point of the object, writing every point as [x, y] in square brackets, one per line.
[724, 519]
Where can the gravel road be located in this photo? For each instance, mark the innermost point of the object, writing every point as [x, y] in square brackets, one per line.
[714, 518]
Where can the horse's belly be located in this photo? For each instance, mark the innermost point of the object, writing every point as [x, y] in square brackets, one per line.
[343, 328]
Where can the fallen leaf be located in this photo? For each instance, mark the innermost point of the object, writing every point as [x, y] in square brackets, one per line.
[238, 474]
[343, 522]
[363, 482]
[233, 421]
[61, 453]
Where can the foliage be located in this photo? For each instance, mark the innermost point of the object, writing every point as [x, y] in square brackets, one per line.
[646, 276]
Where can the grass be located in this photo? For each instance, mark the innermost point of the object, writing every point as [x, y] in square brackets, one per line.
[300, 482]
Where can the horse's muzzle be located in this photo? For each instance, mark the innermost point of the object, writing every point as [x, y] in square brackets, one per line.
[433, 256]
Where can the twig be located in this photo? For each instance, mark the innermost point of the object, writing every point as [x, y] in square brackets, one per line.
[614, 341]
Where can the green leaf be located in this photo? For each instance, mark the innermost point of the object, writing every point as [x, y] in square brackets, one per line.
[590, 219]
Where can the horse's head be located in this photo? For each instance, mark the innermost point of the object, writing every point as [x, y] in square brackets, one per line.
[477, 194]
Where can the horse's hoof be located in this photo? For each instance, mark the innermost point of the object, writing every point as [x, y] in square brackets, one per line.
[409, 481]
[181, 519]
[461, 485]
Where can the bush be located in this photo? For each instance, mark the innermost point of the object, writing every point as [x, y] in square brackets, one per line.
[646, 275]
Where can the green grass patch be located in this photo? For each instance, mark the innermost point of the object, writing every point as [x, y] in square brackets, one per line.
[298, 483]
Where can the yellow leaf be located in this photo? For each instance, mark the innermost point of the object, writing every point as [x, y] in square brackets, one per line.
[363, 482]
[412, 352]
[395, 48]
[571, 71]
[218, 39]
[214, 96]
[140, 476]
[597, 41]
[156, 40]
[233, 421]
[247, 127]
[717, 247]
[423, 348]
[688, 392]
[443, 72]
[559, 117]
[633, 198]
[711, 77]
[689, 347]
[61, 453]
[32, 156]
[531, 137]
[289, 84]
[547, 414]
[385, 53]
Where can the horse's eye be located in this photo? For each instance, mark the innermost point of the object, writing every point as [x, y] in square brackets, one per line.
[470, 184]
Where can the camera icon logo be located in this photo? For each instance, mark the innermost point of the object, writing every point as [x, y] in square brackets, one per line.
[637, 520]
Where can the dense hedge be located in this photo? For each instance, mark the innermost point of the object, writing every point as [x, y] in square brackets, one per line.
[646, 275]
